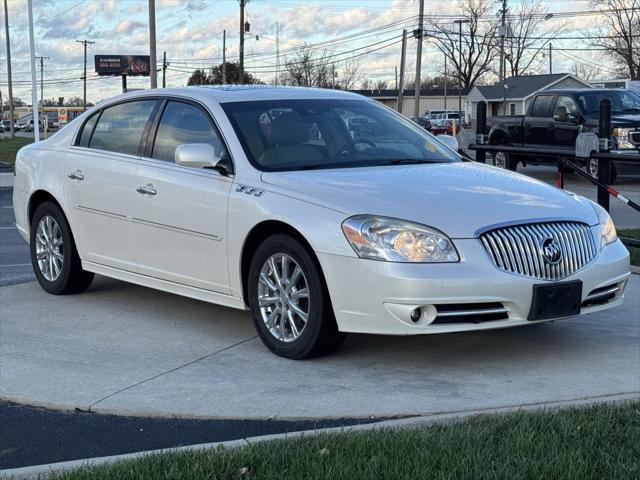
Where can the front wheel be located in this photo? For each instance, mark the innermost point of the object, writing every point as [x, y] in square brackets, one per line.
[289, 300]
[504, 160]
[54, 256]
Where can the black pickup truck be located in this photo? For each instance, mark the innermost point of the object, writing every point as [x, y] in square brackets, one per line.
[554, 119]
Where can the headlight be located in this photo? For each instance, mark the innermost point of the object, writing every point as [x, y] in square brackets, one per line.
[622, 136]
[608, 232]
[393, 240]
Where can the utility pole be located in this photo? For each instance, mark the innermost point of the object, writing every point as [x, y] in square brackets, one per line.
[42, 59]
[445, 82]
[277, 51]
[403, 59]
[503, 73]
[416, 100]
[241, 69]
[6, 34]
[460, 22]
[164, 69]
[84, 77]
[396, 69]
[152, 44]
[224, 57]
[550, 58]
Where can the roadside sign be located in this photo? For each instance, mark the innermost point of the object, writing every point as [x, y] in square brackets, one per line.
[122, 65]
[62, 116]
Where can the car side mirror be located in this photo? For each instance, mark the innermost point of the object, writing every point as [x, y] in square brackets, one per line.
[202, 155]
[449, 140]
[560, 114]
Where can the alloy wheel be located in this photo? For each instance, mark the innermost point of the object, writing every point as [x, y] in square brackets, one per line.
[283, 297]
[500, 160]
[593, 167]
[49, 248]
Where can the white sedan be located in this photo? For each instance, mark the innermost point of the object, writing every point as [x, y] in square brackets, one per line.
[270, 199]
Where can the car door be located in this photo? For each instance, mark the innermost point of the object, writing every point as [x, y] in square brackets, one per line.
[99, 179]
[180, 213]
[566, 131]
[538, 125]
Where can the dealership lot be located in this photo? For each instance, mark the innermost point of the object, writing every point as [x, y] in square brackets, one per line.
[127, 349]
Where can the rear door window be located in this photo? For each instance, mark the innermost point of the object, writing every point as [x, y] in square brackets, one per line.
[541, 106]
[121, 126]
[87, 130]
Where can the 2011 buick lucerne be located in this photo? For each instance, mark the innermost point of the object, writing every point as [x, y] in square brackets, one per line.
[320, 211]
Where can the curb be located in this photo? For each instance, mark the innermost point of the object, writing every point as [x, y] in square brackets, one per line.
[6, 179]
[43, 471]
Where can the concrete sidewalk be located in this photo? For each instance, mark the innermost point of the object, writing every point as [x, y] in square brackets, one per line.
[126, 349]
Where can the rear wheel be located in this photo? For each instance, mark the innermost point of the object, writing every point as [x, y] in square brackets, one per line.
[289, 300]
[54, 256]
[504, 160]
[592, 169]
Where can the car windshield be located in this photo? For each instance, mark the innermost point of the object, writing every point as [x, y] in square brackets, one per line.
[282, 135]
[621, 102]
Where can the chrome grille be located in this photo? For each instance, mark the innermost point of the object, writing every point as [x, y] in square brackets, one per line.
[518, 249]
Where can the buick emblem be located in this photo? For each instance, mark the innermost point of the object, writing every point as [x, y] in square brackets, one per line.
[551, 251]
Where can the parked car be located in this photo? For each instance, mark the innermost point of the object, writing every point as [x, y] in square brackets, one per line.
[554, 118]
[445, 127]
[424, 122]
[393, 233]
[6, 125]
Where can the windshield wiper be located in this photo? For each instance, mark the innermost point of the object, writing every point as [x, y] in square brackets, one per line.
[412, 161]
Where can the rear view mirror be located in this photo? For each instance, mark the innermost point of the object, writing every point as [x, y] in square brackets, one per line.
[560, 114]
[449, 140]
[195, 155]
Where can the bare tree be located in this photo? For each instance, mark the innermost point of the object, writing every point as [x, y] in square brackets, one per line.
[350, 73]
[478, 43]
[585, 72]
[523, 43]
[618, 34]
[308, 68]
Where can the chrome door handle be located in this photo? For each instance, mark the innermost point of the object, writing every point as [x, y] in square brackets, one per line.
[77, 175]
[146, 189]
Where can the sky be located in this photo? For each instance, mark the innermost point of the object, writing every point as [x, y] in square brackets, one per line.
[190, 31]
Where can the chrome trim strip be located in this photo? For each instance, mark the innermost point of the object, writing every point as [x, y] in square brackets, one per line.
[101, 212]
[464, 313]
[149, 223]
[601, 294]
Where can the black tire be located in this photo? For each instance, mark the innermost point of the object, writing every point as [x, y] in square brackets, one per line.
[505, 160]
[71, 277]
[320, 335]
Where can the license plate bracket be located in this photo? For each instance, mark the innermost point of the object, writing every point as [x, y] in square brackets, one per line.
[556, 300]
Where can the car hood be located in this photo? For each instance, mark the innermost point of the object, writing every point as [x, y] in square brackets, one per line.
[458, 198]
[618, 120]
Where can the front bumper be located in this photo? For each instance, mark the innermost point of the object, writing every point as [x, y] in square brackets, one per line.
[378, 297]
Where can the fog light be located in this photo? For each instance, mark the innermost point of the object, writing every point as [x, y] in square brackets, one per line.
[415, 315]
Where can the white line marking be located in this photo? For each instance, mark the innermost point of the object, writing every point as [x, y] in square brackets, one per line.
[17, 265]
[6, 228]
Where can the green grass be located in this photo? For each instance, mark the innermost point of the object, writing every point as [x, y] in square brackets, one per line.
[599, 442]
[634, 251]
[9, 148]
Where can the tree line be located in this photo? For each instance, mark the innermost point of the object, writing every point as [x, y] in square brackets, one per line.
[526, 40]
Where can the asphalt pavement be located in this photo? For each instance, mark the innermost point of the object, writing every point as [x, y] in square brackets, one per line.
[37, 436]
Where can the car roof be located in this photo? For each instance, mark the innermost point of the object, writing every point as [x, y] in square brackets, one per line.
[244, 93]
[581, 90]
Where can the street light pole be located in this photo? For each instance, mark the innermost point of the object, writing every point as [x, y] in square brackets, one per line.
[6, 26]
